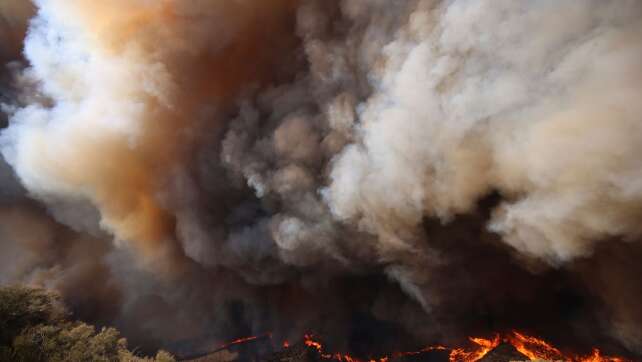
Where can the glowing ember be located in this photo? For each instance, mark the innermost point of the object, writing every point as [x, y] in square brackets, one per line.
[312, 343]
[427, 349]
[244, 340]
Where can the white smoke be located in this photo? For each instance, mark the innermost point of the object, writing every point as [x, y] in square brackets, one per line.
[537, 101]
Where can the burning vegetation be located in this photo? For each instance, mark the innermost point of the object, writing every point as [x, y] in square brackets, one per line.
[514, 346]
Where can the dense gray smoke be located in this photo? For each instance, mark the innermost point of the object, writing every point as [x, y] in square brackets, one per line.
[195, 170]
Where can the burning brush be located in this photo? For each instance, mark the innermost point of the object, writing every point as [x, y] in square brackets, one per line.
[514, 346]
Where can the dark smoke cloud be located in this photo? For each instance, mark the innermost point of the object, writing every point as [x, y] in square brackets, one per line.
[405, 171]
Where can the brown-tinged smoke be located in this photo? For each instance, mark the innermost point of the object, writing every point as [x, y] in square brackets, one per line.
[434, 168]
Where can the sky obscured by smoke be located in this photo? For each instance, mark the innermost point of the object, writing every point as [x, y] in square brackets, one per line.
[221, 166]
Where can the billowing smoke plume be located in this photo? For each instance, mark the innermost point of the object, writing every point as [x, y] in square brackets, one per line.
[228, 163]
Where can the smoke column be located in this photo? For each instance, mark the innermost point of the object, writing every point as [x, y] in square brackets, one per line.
[226, 166]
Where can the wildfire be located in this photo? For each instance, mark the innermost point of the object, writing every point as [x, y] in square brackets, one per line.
[485, 346]
[311, 342]
[533, 348]
[537, 349]
[597, 357]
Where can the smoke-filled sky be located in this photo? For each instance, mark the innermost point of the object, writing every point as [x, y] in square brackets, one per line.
[194, 170]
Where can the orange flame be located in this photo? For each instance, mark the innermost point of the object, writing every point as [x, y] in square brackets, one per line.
[534, 348]
[597, 357]
[531, 347]
[537, 349]
[312, 343]
[485, 346]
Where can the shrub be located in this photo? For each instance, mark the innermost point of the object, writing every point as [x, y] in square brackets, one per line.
[34, 327]
[21, 307]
